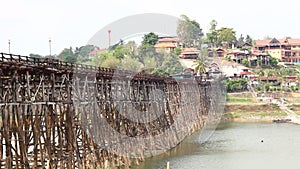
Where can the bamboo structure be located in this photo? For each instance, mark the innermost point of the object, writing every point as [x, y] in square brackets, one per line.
[61, 115]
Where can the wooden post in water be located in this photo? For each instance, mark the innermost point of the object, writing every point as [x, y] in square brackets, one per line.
[168, 165]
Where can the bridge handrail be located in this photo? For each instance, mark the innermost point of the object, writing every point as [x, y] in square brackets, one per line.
[56, 64]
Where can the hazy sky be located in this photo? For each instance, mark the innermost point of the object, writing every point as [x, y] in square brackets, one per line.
[30, 23]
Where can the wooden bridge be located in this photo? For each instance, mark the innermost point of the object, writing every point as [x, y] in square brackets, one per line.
[61, 115]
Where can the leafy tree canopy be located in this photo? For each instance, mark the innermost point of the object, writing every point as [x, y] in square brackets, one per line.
[189, 32]
[150, 39]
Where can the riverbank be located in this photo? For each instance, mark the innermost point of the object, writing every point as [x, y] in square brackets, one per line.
[253, 112]
[245, 107]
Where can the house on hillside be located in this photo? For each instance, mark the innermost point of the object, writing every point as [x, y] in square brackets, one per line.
[95, 52]
[246, 73]
[166, 44]
[214, 71]
[189, 53]
[286, 50]
[259, 58]
[238, 55]
[271, 79]
[290, 81]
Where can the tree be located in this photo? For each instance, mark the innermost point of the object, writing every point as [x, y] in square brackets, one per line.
[248, 40]
[245, 62]
[111, 62]
[83, 52]
[119, 52]
[189, 32]
[171, 64]
[212, 35]
[67, 55]
[240, 41]
[226, 35]
[131, 48]
[129, 63]
[70, 58]
[101, 57]
[149, 51]
[35, 55]
[236, 85]
[149, 64]
[150, 39]
[273, 62]
[200, 65]
[176, 51]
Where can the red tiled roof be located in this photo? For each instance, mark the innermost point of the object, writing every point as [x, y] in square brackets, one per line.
[246, 73]
[94, 52]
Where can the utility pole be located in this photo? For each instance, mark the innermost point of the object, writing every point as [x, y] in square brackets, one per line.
[50, 46]
[109, 31]
[9, 46]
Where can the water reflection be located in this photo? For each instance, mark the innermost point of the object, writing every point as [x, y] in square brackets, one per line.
[236, 146]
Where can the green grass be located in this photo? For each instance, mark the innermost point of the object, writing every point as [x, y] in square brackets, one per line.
[231, 99]
[254, 114]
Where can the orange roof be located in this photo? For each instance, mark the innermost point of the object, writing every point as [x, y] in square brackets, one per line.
[262, 42]
[246, 73]
[290, 79]
[282, 41]
[190, 51]
[269, 78]
[294, 41]
[168, 40]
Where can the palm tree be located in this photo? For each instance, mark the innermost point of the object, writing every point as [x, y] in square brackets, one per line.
[200, 65]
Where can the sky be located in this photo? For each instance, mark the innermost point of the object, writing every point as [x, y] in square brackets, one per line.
[30, 24]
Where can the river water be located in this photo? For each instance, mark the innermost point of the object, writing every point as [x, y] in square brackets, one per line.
[236, 146]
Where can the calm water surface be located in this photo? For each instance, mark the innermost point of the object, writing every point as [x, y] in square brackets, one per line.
[236, 146]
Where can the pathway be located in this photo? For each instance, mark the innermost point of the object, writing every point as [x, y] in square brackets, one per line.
[291, 114]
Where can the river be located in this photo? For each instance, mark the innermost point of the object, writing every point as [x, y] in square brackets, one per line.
[236, 146]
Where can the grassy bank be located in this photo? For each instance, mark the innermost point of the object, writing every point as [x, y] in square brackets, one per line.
[252, 112]
[295, 107]
[242, 107]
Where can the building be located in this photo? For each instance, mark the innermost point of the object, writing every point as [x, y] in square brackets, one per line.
[246, 73]
[95, 52]
[189, 53]
[216, 53]
[264, 58]
[166, 44]
[290, 81]
[286, 50]
[237, 55]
